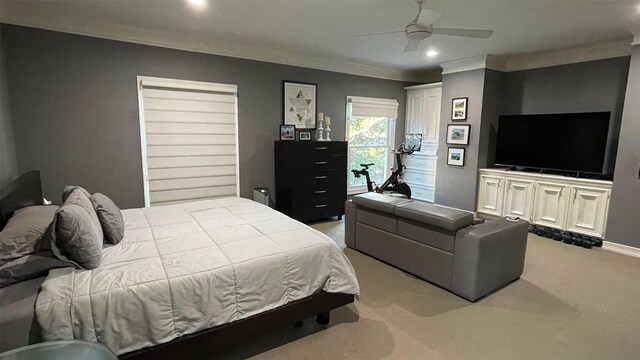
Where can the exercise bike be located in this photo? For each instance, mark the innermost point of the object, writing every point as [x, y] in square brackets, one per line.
[394, 184]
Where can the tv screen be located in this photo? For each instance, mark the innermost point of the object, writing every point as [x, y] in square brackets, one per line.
[567, 142]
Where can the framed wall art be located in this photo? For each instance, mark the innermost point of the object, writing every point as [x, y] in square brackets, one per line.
[459, 108]
[455, 156]
[458, 134]
[287, 132]
[299, 105]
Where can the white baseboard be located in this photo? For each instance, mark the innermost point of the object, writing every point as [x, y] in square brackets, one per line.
[621, 249]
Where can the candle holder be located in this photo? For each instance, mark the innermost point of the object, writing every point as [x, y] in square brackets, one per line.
[319, 131]
[328, 132]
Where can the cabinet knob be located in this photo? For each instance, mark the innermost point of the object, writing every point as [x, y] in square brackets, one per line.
[321, 162]
[321, 177]
[321, 191]
[321, 148]
[321, 205]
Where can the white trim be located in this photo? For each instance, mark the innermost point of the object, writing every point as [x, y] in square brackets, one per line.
[143, 143]
[187, 84]
[636, 37]
[468, 64]
[542, 59]
[621, 249]
[434, 85]
[203, 44]
[562, 57]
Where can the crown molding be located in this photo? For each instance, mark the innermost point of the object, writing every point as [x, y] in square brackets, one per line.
[201, 44]
[468, 64]
[544, 59]
[425, 86]
[636, 37]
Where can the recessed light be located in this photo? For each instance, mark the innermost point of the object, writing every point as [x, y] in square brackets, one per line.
[197, 3]
[432, 53]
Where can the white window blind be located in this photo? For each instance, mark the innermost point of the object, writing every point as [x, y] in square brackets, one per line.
[374, 107]
[189, 140]
[370, 132]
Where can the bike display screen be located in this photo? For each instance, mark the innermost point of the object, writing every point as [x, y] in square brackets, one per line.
[411, 140]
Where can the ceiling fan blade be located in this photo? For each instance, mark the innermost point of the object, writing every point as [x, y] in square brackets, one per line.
[382, 33]
[427, 17]
[480, 34]
[412, 45]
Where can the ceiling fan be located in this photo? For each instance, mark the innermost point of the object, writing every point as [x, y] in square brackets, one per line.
[421, 28]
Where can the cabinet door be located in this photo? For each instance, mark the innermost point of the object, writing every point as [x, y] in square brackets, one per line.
[551, 202]
[587, 210]
[491, 195]
[423, 114]
[518, 200]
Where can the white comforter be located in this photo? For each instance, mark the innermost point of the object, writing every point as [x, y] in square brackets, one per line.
[184, 268]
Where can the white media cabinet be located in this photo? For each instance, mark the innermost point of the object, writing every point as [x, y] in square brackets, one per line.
[561, 202]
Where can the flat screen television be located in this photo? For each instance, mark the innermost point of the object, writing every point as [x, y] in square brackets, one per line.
[564, 142]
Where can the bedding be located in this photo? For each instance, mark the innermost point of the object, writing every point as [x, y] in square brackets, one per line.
[23, 233]
[110, 217]
[184, 268]
[18, 325]
[76, 234]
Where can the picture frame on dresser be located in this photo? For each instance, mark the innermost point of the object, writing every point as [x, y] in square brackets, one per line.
[304, 135]
[458, 134]
[287, 132]
[459, 109]
[300, 104]
[455, 156]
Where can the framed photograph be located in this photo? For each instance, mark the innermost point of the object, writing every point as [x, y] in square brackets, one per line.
[287, 132]
[299, 105]
[458, 134]
[459, 108]
[455, 156]
[304, 135]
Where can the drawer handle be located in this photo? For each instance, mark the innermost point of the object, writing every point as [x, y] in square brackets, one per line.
[321, 177]
[321, 191]
[321, 162]
[321, 148]
[321, 206]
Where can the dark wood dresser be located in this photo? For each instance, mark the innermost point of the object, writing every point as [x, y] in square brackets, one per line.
[311, 179]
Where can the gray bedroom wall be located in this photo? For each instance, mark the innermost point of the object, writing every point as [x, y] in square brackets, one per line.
[582, 87]
[456, 186]
[493, 105]
[75, 111]
[624, 210]
[8, 159]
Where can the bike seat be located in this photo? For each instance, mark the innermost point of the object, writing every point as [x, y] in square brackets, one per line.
[367, 165]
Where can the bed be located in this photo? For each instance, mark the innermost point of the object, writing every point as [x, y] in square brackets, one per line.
[186, 279]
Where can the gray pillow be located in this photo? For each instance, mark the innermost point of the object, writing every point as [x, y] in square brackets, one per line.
[23, 233]
[76, 235]
[110, 218]
[29, 267]
[68, 189]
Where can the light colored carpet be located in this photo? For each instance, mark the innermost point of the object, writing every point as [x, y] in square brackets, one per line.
[571, 303]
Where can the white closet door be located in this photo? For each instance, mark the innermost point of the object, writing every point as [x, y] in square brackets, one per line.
[189, 140]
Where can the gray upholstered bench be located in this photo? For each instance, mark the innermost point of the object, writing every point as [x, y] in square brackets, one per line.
[439, 244]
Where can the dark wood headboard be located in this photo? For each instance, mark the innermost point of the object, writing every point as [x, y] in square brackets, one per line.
[21, 192]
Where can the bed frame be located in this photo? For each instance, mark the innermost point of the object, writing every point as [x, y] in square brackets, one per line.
[27, 191]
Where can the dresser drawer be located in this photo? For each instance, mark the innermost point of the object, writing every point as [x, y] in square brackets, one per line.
[422, 178]
[316, 209]
[424, 193]
[423, 163]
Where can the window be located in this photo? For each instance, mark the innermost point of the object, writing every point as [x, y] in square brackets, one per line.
[370, 132]
[189, 140]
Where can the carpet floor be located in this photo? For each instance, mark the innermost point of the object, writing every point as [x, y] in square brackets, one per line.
[570, 303]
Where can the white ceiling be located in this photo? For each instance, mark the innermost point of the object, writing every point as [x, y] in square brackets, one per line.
[323, 29]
